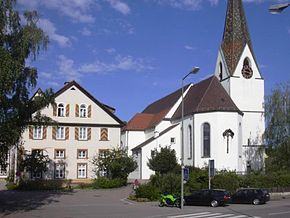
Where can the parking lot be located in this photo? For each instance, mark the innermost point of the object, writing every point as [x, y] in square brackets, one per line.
[113, 203]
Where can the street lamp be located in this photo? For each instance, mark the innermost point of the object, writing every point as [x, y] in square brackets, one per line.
[278, 8]
[194, 70]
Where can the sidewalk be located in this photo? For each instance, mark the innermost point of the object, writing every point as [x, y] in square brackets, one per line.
[2, 184]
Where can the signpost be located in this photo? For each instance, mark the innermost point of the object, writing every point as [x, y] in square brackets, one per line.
[211, 172]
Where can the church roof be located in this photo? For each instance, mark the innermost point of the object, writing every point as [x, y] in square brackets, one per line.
[236, 34]
[205, 96]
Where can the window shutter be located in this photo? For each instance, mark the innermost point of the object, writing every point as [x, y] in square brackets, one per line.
[90, 111]
[89, 133]
[44, 133]
[66, 133]
[54, 132]
[76, 133]
[77, 110]
[67, 110]
[30, 132]
[54, 109]
[104, 134]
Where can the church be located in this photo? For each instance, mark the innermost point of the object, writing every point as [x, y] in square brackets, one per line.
[222, 116]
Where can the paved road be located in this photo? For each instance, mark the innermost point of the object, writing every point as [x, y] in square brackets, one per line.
[113, 204]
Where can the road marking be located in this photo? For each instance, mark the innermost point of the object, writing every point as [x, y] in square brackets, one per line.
[280, 213]
[211, 215]
[126, 201]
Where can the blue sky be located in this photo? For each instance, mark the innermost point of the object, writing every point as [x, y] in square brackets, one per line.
[129, 53]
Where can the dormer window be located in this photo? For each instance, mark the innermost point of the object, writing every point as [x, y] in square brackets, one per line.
[83, 110]
[60, 110]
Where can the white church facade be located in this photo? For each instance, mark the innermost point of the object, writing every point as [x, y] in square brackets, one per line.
[223, 114]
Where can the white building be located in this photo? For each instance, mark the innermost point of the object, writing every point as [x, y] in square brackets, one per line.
[85, 128]
[223, 115]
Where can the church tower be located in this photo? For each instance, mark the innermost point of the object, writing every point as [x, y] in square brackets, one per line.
[238, 72]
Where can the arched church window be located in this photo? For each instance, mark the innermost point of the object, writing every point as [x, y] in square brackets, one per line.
[247, 71]
[190, 144]
[221, 71]
[206, 140]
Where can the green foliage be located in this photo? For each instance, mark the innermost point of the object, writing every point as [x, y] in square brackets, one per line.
[106, 183]
[277, 115]
[198, 179]
[278, 157]
[148, 191]
[164, 161]
[36, 162]
[41, 185]
[227, 180]
[116, 162]
[19, 40]
[169, 183]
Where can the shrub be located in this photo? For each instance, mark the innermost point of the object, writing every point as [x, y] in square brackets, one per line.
[169, 183]
[229, 181]
[40, 185]
[147, 191]
[198, 179]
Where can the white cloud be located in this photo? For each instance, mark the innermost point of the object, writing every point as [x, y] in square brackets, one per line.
[78, 10]
[192, 5]
[86, 32]
[188, 47]
[48, 27]
[119, 6]
[110, 50]
[67, 69]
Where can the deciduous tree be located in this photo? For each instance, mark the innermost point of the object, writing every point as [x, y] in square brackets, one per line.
[20, 40]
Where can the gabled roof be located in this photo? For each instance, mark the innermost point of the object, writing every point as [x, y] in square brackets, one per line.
[109, 110]
[206, 96]
[154, 113]
[236, 34]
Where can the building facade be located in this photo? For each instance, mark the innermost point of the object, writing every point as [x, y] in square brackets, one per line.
[223, 115]
[84, 129]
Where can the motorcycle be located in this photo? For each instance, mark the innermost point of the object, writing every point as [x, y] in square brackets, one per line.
[169, 200]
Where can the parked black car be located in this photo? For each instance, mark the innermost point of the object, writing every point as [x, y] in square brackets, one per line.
[251, 196]
[211, 197]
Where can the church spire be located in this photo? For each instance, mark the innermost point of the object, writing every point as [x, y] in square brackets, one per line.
[236, 34]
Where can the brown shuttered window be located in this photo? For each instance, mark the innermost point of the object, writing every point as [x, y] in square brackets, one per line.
[54, 109]
[104, 134]
[76, 133]
[89, 111]
[77, 110]
[89, 134]
[54, 132]
[67, 110]
[44, 133]
[66, 133]
[30, 132]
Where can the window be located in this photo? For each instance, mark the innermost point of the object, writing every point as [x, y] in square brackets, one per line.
[82, 154]
[82, 171]
[103, 153]
[83, 133]
[36, 175]
[104, 134]
[60, 110]
[206, 140]
[60, 133]
[59, 171]
[59, 153]
[83, 110]
[172, 140]
[37, 132]
[102, 172]
[190, 145]
[221, 71]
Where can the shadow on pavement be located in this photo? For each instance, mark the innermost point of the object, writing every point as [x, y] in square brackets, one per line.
[17, 201]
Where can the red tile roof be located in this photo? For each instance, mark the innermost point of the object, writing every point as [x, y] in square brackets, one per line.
[205, 96]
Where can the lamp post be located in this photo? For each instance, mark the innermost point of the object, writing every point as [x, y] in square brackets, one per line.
[194, 70]
[278, 8]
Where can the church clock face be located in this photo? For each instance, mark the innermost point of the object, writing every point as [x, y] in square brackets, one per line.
[247, 71]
